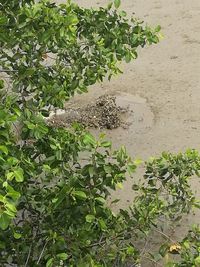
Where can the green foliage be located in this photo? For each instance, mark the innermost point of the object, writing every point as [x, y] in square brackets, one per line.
[190, 248]
[187, 250]
[173, 173]
[52, 51]
[55, 182]
[117, 3]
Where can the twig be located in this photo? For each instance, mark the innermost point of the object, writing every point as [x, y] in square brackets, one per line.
[2, 70]
[42, 252]
[144, 248]
[54, 58]
[29, 254]
[5, 77]
[152, 260]
[16, 129]
[165, 235]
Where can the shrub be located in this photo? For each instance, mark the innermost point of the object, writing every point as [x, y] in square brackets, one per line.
[55, 181]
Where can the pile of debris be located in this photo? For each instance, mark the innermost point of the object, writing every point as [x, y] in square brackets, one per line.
[103, 113]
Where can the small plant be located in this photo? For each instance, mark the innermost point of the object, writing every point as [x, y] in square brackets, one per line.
[55, 182]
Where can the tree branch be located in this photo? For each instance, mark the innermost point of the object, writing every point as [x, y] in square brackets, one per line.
[42, 252]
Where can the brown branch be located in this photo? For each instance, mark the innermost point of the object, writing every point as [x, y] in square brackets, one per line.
[152, 260]
[165, 235]
[144, 248]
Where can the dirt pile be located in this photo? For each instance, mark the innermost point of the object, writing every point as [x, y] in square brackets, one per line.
[103, 113]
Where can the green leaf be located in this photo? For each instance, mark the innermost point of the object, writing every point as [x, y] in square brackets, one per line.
[115, 201]
[186, 244]
[2, 159]
[117, 3]
[102, 224]
[131, 168]
[163, 250]
[10, 176]
[19, 174]
[80, 194]
[158, 28]
[62, 31]
[156, 256]
[17, 111]
[62, 256]
[107, 169]
[91, 171]
[17, 235]
[5, 184]
[137, 162]
[30, 125]
[2, 198]
[128, 57]
[196, 204]
[12, 193]
[54, 200]
[1, 84]
[106, 144]
[49, 263]
[4, 221]
[3, 19]
[72, 19]
[4, 149]
[90, 218]
[130, 250]
[2, 245]
[89, 139]
[11, 208]
[135, 187]
[54, 147]
[109, 6]
[123, 13]
[119, 185]
[197, 261]
[100, 200]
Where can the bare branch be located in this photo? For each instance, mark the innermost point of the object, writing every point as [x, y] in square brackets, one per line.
[28, 257]
[165, 235]
[8, 70]
[42, 252]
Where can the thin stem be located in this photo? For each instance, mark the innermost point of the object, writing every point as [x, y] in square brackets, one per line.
[42, 252]
[3, 70]
[154, 261]
[144, 248]
[28, 257]
[165, 235]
